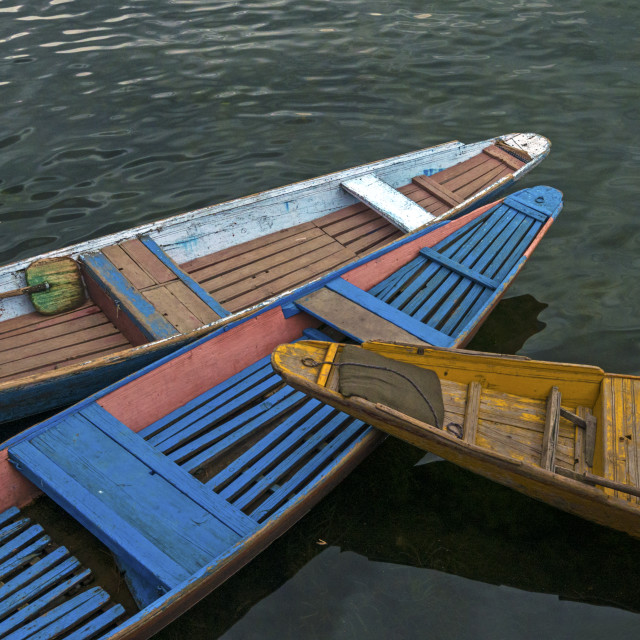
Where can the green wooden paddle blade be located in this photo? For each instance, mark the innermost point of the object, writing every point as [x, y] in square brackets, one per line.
[66, 291]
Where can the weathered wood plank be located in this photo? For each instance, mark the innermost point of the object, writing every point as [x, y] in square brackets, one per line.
[148, 261]
[471, 412]
[36, 321]
[128, 267]
[192, 302]
[170, 308]
[551, 430]
[438, 190]
[374, 241]
[503, 156]
[388, 202]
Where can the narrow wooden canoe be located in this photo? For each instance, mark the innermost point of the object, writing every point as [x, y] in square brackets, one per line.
[564, 434]
[155, 287]
[190, 467]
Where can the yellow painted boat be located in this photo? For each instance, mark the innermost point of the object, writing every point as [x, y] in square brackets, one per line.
[564, 434]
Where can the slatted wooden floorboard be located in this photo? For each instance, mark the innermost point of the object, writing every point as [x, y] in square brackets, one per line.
[44, 591]
[621, 433]
[35, 343]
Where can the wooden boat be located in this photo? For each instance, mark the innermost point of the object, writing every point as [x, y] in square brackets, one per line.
[155, 287]
[564, 434]
[188, 468]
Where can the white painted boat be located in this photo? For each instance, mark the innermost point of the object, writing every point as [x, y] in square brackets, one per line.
[150, 289]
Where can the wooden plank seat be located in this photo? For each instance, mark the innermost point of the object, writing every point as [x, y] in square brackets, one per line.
[160, 522]
[440, 292]
[137, 279]
[44, 591]
[401, 211]
[36, 343]
[255, 441]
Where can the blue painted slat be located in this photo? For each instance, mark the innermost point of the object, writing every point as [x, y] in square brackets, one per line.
[33, 571]
[389, 286]
[50, 617]
[227, 432]
[459, 268]
[122, 538]
[98, 624]
[85, 608]
[527, 208]
[192, 424]
[297, 455]
[267, 410]
[13, 528]
[263, 364]
[264, 454]
[222, 511]
[5, 516]
[300, 478]
[24, 556]
[39, 585]
[142, 313]
[211, 302]
[448, 288]
[32, 609]
[385, 311]
[7, 549]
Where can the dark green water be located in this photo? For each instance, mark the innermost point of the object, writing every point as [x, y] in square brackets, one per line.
[117, 113]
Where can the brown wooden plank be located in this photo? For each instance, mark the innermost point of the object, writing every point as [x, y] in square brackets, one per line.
[504, 156]
[451, 173]
[437, 190]
[119, 258]
[265, 273]
[59, 343]
[471, 412]
[172, 309]
[191, 301]
[350, 317]
[340, 214]
[551, 430]
[269, 266]
[292, 280]
[376, 240]
[479, 172]
[52, 331]
[483, 181]
[148, 261]
[31, 321]
[347, 225]
[363, 230]
[245, 247]
[275, 253]
[80, 351]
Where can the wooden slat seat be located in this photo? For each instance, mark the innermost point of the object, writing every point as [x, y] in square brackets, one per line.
[158, 297]
[36, 343]
[131, 497]
[44, 592]
[401, 211]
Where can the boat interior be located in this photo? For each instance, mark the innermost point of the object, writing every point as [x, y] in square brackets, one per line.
[137, 294]
[569, 419]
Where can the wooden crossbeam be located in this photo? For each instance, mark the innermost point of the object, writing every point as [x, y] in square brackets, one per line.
[472, 408]
[551, 430]
[437, 190]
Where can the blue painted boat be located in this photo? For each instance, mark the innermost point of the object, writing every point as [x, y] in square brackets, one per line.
[156, 287]
[190, 467]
